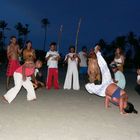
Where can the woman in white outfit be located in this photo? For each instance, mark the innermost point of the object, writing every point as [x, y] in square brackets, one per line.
[72, 71]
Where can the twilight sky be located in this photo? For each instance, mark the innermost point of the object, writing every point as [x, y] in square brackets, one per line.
[101, 19]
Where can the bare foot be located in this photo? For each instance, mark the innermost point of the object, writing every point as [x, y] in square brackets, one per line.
[123, 113]
[107, 107]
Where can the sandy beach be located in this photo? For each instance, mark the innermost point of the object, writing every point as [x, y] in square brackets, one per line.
[67, 115]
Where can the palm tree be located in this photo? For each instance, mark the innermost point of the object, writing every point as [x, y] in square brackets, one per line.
[133, 41]
[102, 43]
[45, 22]
[120, 41]
[19, 28]
[1, 43]
[131, 38]
[23, 31]
[3, 27]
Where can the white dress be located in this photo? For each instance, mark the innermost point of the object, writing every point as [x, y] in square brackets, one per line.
[106, 78]
[72, 73]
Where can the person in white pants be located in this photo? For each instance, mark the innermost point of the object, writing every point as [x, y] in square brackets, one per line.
[105, 73]
[22, 78]
[72, 71]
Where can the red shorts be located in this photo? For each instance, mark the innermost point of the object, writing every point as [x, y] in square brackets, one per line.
[12, 66]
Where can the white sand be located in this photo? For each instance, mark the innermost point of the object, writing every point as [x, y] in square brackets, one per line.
[67, 115]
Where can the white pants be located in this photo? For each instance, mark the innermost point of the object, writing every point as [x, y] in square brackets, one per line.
[72, 73]
[27, 84]
[106, 78]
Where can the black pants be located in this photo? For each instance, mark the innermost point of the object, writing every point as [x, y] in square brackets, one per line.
[137, 88]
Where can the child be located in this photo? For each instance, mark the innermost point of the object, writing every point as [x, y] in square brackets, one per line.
[93, 69]
[119, 97]
[119, 77]
[38, 75]
[22, 78]
[52, 58]
[72, 71]
[137, 88]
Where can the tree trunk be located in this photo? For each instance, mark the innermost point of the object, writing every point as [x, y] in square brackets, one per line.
[3, 40]
[24, 41]
[44, 48]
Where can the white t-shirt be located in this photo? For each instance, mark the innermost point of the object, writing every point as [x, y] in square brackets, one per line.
[52, 63]
[36, 71]
[119, 76]
[118, 61]
[83, 59]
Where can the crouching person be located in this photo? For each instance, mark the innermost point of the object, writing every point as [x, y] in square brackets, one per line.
[119, 97]
[38, 75]
[22, 78]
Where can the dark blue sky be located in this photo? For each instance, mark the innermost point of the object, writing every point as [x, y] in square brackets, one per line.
[101, 19]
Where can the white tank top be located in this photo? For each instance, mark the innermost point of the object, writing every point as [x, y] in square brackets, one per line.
[117, 61]
[138, 77]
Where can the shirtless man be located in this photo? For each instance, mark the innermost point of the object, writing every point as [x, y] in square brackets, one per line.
[13, 52]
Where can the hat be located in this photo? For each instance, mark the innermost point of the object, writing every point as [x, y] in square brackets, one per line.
[113, 66]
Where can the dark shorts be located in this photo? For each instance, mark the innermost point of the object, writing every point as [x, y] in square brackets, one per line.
[137, 88]
[116, 94]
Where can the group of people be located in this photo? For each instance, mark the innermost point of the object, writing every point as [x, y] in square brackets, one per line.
[93, 64]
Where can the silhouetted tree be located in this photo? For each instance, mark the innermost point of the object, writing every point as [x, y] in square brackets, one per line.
[103, 44]
[23, 31]
[1, 42]
[19, 28]
[120, 41]
[3, 27]
[45, 22]
[131, 38]
[133, 41]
